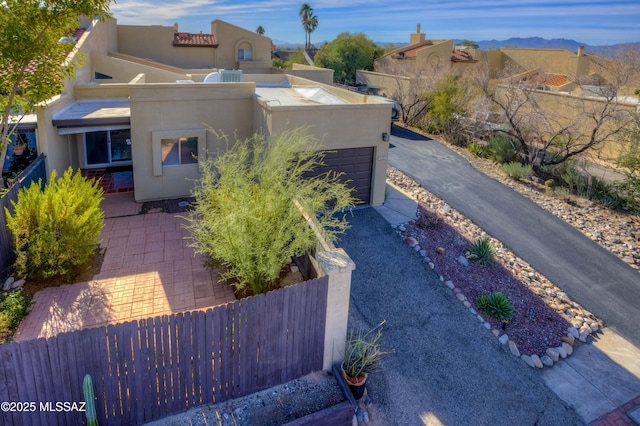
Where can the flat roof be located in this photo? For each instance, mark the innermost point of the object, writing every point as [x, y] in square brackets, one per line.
[304, 95]
[94, 112]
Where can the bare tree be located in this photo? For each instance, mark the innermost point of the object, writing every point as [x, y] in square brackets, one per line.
[548, 128]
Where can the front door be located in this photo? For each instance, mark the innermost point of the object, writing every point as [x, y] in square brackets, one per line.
[107, 147]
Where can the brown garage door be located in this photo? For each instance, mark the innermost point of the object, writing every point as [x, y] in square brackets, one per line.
[356, 164]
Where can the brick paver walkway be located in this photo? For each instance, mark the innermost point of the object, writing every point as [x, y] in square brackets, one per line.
[148, 270]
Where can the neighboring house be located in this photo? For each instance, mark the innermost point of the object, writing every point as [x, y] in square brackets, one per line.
[142, 116]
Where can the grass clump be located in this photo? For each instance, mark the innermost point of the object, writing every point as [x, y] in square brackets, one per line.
[13, 308]
[517, 170]
[496, 305]
[482, 252]
[247, 216]
[363, 352]
[58, 228]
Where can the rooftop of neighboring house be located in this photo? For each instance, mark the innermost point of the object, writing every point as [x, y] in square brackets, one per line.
[194, 39]
[460, 55]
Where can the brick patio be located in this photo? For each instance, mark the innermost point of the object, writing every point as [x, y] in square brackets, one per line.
[148, 270]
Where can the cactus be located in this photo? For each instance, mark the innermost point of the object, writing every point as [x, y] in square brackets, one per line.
[87, 390]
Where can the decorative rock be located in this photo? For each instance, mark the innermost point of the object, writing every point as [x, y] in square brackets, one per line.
[480, 318]
[536, 361]
[466, 304]
[553, 354]
[546, 360]
[487, 325]
[417, 247]
[504, 339]
[7, 284]
[562, 351]
[514, 348]
[294, 268]
[473, 311]
[594, 328]
[427, 259]
[572, 331]
[461, 297]
[495, 332]
[450, 284]
[585, 329]
[568, 348]
[411, 241]
[402, 228]
[527, 359]
[440, 250]
[463, 261]
[446, 208]
[431, 265]
[17, 284]
[423, 252]
[568, 339]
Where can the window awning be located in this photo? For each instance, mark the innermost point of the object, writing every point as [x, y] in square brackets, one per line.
[95, 114]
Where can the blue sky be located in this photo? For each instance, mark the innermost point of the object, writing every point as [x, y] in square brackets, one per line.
[592, 22]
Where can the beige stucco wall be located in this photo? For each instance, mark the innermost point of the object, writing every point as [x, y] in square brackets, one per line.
[123, 70]
[225, 107]
[321, 75]
[230, 38]
[156, 42]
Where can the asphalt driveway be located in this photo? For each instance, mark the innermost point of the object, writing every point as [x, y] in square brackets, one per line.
[589, 274]
[446, 367]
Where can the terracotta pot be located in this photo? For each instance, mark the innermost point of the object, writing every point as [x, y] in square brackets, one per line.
[356, 384]
[18, 150]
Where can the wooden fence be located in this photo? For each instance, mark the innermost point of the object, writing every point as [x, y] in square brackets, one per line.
[145, 370]
[36, 170]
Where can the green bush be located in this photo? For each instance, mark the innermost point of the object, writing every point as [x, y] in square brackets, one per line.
[477, 149]
[562, 192]
[58, 228]
[13, 308]
[496, 305]
[482, 251]
[246, 216]
[502, 149]
[517, 170]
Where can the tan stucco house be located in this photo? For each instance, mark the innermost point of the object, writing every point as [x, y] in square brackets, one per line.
[141, 106]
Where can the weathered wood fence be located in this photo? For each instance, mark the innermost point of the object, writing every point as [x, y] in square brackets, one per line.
[145, 370]
[36, 170]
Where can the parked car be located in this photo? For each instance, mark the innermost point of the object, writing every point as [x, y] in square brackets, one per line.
[395, 112]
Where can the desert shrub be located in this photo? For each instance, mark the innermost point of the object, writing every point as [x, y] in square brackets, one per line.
[630, 187]
[496, 305]
[549, 183]
[502, 149]
[58, 228]
[477, 149]
[482, 251]
[13, 308]
[562, 192]
[517, 170]
[427, 219]
[246, 216]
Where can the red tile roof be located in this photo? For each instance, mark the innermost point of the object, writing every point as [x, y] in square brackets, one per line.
[194, 40]
[555, 80]
[461, 56]
[410, 51]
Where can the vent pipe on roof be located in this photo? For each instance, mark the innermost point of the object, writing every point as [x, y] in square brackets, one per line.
[175, 27]
[581, 51]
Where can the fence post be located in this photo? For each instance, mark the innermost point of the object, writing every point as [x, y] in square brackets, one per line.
[337, 264]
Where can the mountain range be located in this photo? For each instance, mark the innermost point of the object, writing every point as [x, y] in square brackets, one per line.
[528, 42]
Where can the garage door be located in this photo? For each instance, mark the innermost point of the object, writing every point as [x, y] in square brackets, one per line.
[356, 164]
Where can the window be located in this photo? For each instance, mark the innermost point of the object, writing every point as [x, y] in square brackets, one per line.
[178, 151]
[244, 54]
[107, 147]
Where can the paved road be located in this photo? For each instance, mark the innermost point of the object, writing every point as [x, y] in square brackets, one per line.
[447, 369]
[589, 274]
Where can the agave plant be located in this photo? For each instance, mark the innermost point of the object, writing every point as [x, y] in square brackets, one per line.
[482, 251]
[496, 305]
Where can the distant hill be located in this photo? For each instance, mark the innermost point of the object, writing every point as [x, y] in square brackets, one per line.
[556, 43]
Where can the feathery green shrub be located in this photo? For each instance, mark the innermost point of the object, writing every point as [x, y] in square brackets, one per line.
[58, 228]
[13, 308]
[246, 214]
[517, 170]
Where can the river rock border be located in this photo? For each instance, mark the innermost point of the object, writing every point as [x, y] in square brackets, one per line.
[583, 323]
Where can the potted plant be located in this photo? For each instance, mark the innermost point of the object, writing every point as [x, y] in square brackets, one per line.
[362, 355]
[18, 148]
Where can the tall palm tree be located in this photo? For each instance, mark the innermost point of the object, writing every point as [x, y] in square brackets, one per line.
[260, 30]
[306, 12]
[313, 24]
